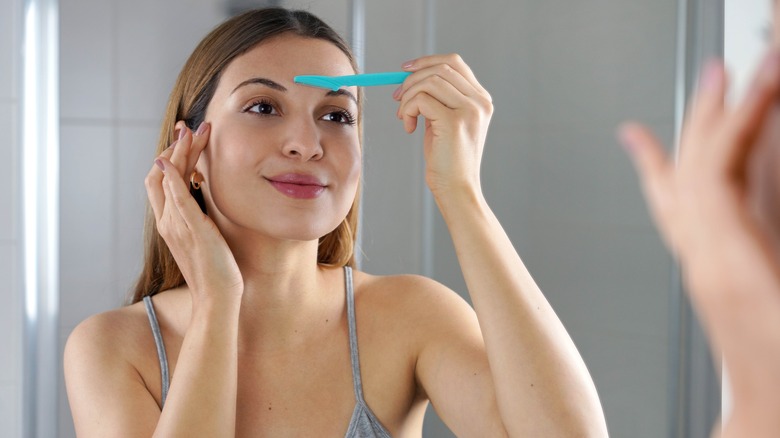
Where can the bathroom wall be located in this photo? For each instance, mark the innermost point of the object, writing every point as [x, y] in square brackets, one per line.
[11, 275]
[563, 75]
[118, 62]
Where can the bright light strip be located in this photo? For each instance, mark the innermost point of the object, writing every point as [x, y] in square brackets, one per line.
[30, 143]
[40, 212]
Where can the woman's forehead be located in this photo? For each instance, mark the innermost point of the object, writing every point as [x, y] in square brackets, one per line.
[286, 56]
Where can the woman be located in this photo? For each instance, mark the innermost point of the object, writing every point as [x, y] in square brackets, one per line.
[717, 209]
[265, 327]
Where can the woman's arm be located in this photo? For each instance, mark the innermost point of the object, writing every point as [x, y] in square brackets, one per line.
[108, 396]
[536, 367]
[202, 397]
[705, 207]
[106, 392]
[540, 382]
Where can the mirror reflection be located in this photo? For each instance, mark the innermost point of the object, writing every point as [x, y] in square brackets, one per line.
[560, 80]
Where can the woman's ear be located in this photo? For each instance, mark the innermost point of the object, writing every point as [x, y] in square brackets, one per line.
[177, 129]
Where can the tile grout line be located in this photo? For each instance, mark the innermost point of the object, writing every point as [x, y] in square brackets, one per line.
[108, 121]
[114, 69]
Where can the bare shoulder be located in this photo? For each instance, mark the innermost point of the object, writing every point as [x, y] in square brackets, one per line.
[103, 366]
[106, 348]
[414, 300]
[107, 336]
[122, 334]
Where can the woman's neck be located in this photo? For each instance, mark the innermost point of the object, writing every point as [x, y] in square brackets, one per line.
[286, 292]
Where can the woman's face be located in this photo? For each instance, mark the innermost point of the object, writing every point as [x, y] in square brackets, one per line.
[283, 159]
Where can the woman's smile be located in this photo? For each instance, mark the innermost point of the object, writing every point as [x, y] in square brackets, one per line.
[297, 185]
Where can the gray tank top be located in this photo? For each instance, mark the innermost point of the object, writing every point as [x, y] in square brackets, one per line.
[363, 423]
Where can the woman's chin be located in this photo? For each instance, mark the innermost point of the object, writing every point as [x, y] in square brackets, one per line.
[297, 232]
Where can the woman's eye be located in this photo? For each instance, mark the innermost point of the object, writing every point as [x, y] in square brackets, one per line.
[339, 117]
[262, 108]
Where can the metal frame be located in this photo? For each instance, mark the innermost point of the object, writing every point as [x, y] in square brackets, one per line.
[357, 41]
[40, 213]
[429, 208]
[694, 385]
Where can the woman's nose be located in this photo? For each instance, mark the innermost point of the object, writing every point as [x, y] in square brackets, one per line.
[303, 142]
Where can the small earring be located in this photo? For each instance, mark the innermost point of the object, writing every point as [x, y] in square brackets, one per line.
[196, 179]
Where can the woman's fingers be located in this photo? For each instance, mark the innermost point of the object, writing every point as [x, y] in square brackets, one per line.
[436, 87]
[182, 150]
[422, 104]
[199, 142]
[179, 158]
[189, 146]
[179, 203]
[741, 132]
[440, 83]
[443, 72]
[453, 60]
[656, 177]
[705, 113]
[442, 89]
[645, 150]
[153, 184]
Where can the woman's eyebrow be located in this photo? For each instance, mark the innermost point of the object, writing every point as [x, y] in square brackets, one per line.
[342, 92]
[262, 81]
[277, 86]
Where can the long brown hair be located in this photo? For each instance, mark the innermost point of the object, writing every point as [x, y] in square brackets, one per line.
[188, 101]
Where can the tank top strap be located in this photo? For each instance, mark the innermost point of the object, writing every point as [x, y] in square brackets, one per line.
[158, 340]
[353, 345]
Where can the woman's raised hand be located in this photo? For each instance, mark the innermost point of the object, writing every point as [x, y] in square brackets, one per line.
[704, 207]
[457, 111]
[195, 242]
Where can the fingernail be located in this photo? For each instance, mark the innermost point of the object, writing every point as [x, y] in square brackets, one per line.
[201, 128]
[397, 92]
[408, 64]
[181, 132]
[160, 164]
[625, 137]
[713, 75]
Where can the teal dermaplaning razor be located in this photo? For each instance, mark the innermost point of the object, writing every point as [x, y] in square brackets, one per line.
[362, 80]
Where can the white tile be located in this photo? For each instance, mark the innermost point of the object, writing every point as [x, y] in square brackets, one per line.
[10, 19]
[392, 194]
[498, 53]
[10, 411]
[508, 174]
[9, 175]
[582, 175]
[86, 57]
[393, 161]
[135, 153]
[65, 428]
[603, 278]
[631, 376]
[10, 319]
[86, 222]
[599, 65]
[154, 39]
[396, 35]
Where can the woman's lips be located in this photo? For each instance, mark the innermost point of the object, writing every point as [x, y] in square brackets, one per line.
[298, 186]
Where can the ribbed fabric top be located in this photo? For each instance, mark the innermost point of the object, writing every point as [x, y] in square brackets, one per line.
[363, 423]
